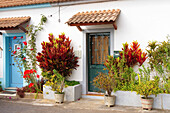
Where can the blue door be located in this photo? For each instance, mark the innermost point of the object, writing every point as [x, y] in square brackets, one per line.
[15, 78]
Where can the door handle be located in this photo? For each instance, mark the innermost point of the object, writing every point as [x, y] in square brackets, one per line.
[13, 64]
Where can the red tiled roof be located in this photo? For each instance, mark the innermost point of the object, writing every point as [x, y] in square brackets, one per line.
[94, 17]
[12, 3]
[7, 23]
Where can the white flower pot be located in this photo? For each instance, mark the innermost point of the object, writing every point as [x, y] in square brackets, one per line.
[59, 98]
[109, 100]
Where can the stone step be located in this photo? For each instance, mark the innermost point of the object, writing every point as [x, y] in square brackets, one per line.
[11, 88]
[8, 94]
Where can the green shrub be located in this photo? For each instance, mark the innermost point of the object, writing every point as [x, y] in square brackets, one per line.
[72, 83]
[105, 82]
[148, 88]
[159, 61]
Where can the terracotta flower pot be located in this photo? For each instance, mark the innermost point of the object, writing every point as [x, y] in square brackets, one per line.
[147, 103]
[59, 98]
[109, 100]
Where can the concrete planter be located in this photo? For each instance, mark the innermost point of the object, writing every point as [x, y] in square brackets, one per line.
[128, 98]
[72, 93]
[32, 95]
[109, 101]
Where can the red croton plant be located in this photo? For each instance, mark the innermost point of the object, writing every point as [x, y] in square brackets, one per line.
[134, 54]
[57, 54]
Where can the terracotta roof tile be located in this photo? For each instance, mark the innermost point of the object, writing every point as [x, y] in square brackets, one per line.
[13, 22]
[12, 3]
[94, 17]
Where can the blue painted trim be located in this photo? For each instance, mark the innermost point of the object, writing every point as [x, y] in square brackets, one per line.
[6, 56]
[26, 7]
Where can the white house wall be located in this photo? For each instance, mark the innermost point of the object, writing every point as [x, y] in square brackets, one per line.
[138, 20]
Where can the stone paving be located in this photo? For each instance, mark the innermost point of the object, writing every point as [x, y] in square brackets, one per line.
[83, 105]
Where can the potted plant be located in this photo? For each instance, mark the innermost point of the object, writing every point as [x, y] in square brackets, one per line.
[107, 83]
[20, 92]
[147, 88]
[57, 83]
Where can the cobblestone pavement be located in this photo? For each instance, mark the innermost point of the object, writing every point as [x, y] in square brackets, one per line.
[81, 106]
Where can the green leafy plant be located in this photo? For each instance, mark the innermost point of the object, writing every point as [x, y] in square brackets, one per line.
[148, 88]
[145, 73]
[159, 61]
[25, 57]
[57, 54]
[122, 67]
[57, 82]
[72, 83]
[105, 82]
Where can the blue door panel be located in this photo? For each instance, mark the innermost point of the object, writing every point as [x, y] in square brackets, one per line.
[15, 79]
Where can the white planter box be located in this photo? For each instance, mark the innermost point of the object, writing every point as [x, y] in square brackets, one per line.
[72, 93]
[128, 98]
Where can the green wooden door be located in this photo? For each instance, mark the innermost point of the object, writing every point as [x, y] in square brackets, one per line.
[98, 50]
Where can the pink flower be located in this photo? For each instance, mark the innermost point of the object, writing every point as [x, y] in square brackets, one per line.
[14, 52]
[30, 85]
[14, 37]
[25, 43]
[24, 58]
[18, 47]
[38, 76]
[21, 37]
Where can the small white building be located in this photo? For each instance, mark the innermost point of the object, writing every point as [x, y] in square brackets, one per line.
[98, 30]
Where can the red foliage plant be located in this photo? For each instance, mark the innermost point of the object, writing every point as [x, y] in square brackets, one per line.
[57, 54]
[134, 54]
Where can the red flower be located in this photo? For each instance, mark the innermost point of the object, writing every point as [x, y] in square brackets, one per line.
[18, 47]
[14, 37]
[31, 49]
[24, 76]
[24, 58]
[27, 25]
[14, 52]
[30, 85]
[21, 37]
[25, 43]
[38, 76]
[26, 72]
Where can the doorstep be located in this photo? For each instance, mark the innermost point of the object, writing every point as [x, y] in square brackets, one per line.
[93, 95]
